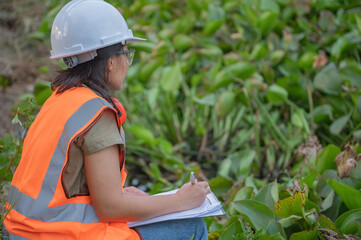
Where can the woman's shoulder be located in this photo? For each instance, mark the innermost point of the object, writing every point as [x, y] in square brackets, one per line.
[102, 134]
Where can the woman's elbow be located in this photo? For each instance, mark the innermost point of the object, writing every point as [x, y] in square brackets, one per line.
[108, 214]
[106, 210]
[111, 211]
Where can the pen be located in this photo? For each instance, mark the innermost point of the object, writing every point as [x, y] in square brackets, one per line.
[193, 179]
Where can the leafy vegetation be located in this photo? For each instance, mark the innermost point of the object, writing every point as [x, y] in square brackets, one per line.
[260, 97]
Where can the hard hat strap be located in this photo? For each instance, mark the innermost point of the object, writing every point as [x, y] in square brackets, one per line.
[72, 61]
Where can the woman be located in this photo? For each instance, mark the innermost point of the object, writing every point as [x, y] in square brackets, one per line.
[69, 183]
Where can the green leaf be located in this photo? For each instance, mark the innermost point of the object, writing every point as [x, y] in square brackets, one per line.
[351, 72]
[289, 221]
[222, 79]
[152, 95]
[349, 224]
[231, 231]
[42, 91]
[322, 113]
[211, 51]
[225, 103]
[43, 96]
[306, 60]
[259, 52]
[171, 78]
[275, 228]
[267, 21]
[326, 159]
[307, 234]
[183, 24]
[242, 70]
[310, 179]
[276, 94]
[254, 212]
[299, 119]
[183, 42]
[212, 26]
[215, 12]
[328, 79]
[328, 201]
[225, 168]
[165, 147]
[344, 43]
[277, 56]
[156, 174]
[301, 21]
[358, 22]
[268, 195]
[220, 185]
[310, 206]
[336, 208]
[323, 189]
[143, 134]
[209, 100]
[340, 220]
[245, 162]
[141, 46]
[325, 222]
[339, 124]
[351, 197]
[147, 70]
[355, 172]
[270, 5]
[44, 69]
[243, 193]
[291, 206]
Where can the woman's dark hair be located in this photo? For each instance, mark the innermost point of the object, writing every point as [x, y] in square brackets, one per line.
[92, 74]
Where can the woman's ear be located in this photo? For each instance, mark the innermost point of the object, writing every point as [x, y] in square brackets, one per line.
[111, 63]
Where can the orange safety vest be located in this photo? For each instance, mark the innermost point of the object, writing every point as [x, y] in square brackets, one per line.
[39, 206]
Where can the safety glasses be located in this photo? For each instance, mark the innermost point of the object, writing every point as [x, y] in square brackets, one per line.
[129, 54]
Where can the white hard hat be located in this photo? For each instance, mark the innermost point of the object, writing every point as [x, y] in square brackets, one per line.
[83, 26]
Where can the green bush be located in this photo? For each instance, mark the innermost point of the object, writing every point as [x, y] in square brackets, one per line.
[262, 97]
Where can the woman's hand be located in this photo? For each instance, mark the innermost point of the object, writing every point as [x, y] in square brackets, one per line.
[192, 196]
[134, 190]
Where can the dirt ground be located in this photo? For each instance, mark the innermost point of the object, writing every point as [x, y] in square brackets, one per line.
[20, 55]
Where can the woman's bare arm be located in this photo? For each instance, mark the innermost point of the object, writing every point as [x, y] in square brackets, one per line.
[111, 204]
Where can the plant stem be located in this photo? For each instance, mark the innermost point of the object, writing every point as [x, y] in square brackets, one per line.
[310, 102]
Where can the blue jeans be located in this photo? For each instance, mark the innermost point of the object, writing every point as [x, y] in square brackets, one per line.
[184, 229]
